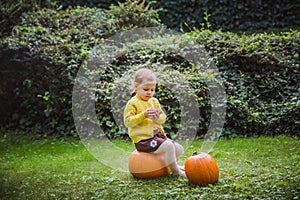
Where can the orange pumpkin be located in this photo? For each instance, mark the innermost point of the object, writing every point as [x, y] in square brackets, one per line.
[147, 165]
[201, 169]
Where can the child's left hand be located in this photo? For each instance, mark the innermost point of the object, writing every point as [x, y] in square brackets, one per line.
[151, 113]
[157, 113]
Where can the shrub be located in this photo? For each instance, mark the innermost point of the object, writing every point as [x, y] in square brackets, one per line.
[45, 51]
[11, 12]
[261, 72]
[230, 15]
[42, 56]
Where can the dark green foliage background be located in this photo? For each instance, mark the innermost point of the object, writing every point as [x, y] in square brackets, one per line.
[228, 15]
[262, 76]
[231, 15]
[39, 60]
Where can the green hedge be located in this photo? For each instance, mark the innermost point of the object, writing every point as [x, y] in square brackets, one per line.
[262, 73]
[230, 15]
[42, 56]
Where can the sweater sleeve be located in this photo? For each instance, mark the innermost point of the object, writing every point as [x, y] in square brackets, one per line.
[131, 118]
[162, 117]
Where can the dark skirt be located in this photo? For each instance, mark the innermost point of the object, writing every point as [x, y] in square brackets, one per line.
[150, 145]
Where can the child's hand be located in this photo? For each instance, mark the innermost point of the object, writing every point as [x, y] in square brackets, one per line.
[152, 113]
[156, 116]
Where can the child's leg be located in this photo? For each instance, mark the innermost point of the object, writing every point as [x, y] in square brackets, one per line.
[171, 153]
[178, 149]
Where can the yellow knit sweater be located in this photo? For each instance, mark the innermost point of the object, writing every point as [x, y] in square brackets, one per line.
[140, 127]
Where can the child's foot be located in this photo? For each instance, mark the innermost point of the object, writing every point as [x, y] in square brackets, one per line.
[179, 173]
[182, 173]
[181, 167]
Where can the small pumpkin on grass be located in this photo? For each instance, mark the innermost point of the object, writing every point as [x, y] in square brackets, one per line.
[147, 165]
[201, 169]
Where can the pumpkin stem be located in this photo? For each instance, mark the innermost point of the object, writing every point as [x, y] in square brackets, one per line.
[196, 153]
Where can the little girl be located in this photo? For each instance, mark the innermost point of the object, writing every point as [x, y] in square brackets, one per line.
[144, 117]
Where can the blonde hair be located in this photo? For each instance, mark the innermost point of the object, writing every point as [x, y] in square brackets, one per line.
[143, 76]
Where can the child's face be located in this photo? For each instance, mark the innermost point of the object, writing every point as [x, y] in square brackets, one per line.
[146, 91]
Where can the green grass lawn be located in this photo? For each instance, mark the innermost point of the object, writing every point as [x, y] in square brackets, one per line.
[49, 168]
